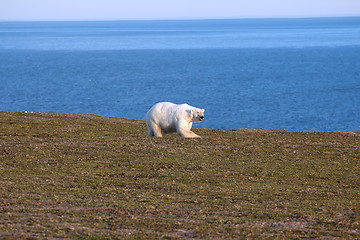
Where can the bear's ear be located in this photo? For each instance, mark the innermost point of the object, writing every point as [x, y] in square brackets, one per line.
[189, 112]
[203, 110]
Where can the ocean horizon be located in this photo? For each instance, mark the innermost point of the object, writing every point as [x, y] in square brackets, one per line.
[298, 74]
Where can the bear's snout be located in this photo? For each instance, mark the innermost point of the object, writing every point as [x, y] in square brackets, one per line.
[201, 118]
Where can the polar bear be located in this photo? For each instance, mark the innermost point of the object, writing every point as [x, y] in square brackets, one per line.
[166, 117]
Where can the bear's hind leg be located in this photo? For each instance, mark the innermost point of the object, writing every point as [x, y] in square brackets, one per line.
[158, 132]
[155, 130]
[150, 132]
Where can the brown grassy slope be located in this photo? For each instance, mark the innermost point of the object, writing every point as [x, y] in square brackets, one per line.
[85, 176]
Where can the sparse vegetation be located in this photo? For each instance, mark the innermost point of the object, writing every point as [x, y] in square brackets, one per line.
[91, 177]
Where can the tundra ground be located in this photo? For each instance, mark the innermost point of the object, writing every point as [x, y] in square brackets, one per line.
[90, 177]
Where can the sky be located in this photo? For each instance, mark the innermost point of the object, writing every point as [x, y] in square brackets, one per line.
[60, 10]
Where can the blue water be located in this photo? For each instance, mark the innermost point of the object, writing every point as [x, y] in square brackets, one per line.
[291, 74]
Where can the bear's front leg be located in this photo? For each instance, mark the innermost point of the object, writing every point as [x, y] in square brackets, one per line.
[187, 133]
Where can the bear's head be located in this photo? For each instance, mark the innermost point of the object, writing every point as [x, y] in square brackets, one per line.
[196, 114]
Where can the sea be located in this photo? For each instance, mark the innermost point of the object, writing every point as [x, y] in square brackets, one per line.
[282, 74]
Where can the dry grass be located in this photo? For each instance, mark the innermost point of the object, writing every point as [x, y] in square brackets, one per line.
[91, 177]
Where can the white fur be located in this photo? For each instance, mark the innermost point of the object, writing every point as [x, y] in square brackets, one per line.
[166, 117]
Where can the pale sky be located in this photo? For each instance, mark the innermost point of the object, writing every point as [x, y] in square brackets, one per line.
[35, 10]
